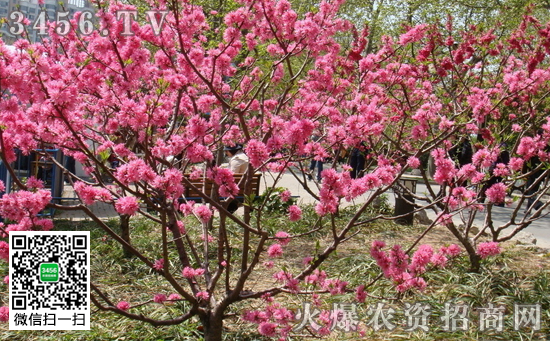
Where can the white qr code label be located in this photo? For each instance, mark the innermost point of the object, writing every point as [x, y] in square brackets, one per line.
[49, 280]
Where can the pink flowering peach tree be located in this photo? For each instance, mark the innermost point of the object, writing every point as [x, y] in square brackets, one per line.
[165, 96]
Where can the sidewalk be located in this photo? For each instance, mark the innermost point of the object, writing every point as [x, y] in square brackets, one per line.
[100, 209]
[540, 228]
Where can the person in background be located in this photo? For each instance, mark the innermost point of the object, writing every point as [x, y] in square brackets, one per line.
[315, 163]
[532, 186]
[238, 161]
[357, 161]
[70, 167]
[238, 164]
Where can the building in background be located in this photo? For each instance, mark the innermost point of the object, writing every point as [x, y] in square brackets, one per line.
[31, 10]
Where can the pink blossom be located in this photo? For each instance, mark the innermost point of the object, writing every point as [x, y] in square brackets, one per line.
[496, 193]
[529, 147]
[283, 238]
[307, 260]
[207, 237]
[127, 205]
[413, 35]
[187, 208]
[4, 250]
[181, 227]
[413, 162]
[159, 264]
[224, 178]
[203, 213]
[318, 277]
[4, 314]
[159, 298]
[33, 183]
[487, 249]
[285, 195]
[501, 170]
[452, 250]
[257, 153]
[335, 286]
[267, 329]
[398, 260]
[380, 257]
[275, 250]
[2, 186]
[174, 297]
[294, 213]
[360, 294]
[420, 259]
[135, 171]
[203, 295]
[189, 272]
[18, 205]
[515, 164]
[445, 219]
[7, 279]
[439, 260]
[123, 305]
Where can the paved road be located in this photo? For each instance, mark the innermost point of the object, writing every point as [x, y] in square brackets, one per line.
[540, 228]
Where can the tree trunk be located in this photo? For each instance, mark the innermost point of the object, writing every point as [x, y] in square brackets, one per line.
[213, 327]
[474, 262]
[125, 234]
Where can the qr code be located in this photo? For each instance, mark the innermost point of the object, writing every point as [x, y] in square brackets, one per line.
[49, 280]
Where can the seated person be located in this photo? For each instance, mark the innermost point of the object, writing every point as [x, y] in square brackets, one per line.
[238, 161]
[238, 164]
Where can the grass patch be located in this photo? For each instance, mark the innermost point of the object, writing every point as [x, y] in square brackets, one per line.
[517, 276]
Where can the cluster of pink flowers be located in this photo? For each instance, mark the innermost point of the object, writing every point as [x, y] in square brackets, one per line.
[223, 177]
[285, 195]
[203, 295]
[4, 250]
[189, 272]
[123, 305]
[404, 274]
[294, 213]
[4, 314]
[135, 171]
[187, 208]
[159, 264]
[21, 204]
[159, 298]
[274, 320]
[32, 183]
[445, 170]
[487, 249]
[257, 152]
[127, 205]
[283, 238]
[89, 194]
[28, 224]
[275, 250]
[174, 297]
[290, 282]
[170, 183]
[460, 197]
[496, 193]
[202, 212]
[413, 162]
